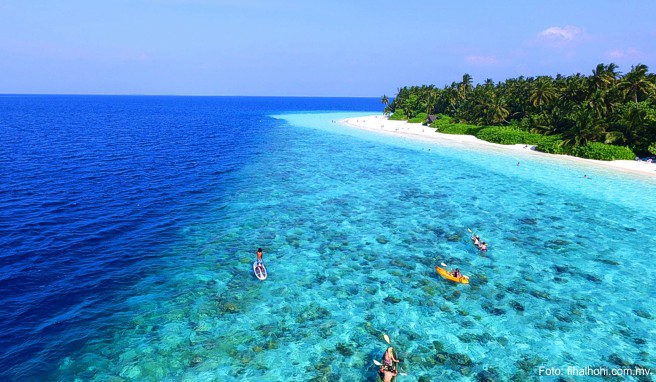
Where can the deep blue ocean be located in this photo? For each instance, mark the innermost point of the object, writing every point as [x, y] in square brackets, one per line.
[128, 226]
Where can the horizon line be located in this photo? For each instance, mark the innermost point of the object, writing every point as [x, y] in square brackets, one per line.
[176, 95]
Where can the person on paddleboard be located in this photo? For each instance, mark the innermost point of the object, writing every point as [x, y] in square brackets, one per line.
[259, 262]
[259, 256]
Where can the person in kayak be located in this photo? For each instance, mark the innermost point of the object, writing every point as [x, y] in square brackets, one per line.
[457, 273]
[483, 246]
[476, 239]
[387, 375]
[388, 359]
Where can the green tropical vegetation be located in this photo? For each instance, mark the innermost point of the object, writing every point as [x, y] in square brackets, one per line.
[605, 115]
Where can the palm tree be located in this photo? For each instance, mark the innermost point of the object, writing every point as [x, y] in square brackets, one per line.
[611, 71]
[465, 86]
[554, 122]
[597, 102]
[574, 89]
[604, 76]
[634, 126]
[515, 91]
[636, 83]
[431, 98]
[586, 128]
[497, 110]
[410, 105]
[385, 101]
[543, 92]
[452, 95]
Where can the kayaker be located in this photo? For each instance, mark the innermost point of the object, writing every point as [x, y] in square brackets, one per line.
[389, 360]
[476, 239]
[387, 375]
[457, 273]
[483, 246]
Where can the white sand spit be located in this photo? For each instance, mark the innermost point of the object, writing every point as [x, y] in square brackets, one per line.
[382, 125]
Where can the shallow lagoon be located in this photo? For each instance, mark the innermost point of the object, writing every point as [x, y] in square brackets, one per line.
[352, 225]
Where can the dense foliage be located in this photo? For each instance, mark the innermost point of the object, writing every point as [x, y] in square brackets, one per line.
[419, 118]
[458, 128]
[508, 136]
[605, 115]
[598, 150]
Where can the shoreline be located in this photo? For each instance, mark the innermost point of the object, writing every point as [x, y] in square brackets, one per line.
[382, 125]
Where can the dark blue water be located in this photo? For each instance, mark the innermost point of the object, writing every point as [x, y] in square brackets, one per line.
[94, 191]
[128, 227]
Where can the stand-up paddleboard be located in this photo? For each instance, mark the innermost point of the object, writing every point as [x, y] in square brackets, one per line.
[260, 272]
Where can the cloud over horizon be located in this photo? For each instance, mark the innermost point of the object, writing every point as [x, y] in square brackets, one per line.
[481, 60]
[566, 33]
[628, 53]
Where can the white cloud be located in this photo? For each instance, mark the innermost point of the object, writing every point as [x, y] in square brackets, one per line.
[629, 53]
[566, 33]
[481, 60]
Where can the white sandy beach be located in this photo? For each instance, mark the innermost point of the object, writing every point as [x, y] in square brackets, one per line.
[382, 125]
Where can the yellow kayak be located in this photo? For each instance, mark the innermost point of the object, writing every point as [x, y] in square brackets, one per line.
[444, 273]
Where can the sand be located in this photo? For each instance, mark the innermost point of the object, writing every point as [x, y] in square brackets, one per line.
[381, 124]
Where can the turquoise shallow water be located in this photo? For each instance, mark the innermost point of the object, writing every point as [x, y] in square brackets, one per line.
[352, 225]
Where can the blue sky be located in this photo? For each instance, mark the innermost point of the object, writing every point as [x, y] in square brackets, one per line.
[308, 48]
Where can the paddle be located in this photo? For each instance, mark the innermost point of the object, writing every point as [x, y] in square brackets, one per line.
[470, 231]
